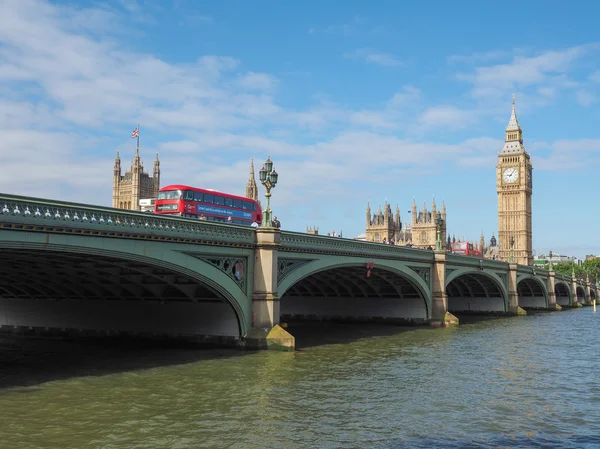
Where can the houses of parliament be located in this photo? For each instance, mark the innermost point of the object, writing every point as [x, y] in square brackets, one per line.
[514, 187]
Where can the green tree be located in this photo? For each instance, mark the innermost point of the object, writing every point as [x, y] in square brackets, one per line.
[566, 268]
[591, 267]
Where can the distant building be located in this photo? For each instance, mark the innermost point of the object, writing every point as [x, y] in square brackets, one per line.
[314, 230]
[422, 232]
[590, 257]
[135, 184]
[544, 259]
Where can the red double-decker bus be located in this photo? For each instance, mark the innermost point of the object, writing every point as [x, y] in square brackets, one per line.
[466, 249]
[207, 204]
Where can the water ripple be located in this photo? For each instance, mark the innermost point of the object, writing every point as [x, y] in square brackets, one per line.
[522, 382]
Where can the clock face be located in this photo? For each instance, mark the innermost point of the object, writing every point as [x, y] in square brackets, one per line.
[510, 175]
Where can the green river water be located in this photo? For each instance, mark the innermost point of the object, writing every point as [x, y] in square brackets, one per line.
[515, 382]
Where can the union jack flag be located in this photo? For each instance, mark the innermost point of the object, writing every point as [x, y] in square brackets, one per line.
[135, 133]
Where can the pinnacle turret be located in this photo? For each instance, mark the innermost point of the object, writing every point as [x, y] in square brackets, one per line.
[251, 187]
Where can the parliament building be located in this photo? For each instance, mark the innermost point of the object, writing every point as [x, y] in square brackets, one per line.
[135, 184]
[384, 226]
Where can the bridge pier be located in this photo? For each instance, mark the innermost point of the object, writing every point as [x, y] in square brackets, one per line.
[513, 293]
[440, 317]
[574, 297]
[266, 332]
[552, 305]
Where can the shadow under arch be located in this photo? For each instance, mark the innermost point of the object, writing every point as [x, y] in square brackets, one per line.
[581, 295]
[563, 294]
[320, 289]
[476, 291]
[99, 288]
[592, 294]
[533, 293]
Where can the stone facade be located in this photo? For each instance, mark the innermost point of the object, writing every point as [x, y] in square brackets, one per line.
[384, 226]
[135, 184]
[514, 186]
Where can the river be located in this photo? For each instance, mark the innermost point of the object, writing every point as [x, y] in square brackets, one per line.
[515, 382]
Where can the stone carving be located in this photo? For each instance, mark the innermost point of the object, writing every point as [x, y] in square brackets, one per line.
[286, 266]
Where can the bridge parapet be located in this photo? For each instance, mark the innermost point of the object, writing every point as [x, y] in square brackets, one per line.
[36, 214]
[301, 242]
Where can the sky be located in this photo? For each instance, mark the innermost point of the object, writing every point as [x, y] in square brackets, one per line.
[355, 102]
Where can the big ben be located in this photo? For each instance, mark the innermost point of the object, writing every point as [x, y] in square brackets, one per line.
[514, 185]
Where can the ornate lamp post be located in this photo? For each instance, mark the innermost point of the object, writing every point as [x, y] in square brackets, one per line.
[438, 224]
[268, 178]
[512, 243]
[550, 267]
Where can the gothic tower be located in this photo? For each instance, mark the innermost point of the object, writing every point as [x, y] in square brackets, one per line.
[514, 186]
[116, 180]
[251, 188]
[135, 184]
[156, 176]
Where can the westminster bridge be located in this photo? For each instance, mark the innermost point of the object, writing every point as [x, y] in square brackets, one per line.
[77, 269]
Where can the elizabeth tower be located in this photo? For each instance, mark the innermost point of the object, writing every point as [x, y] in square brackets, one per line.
[514, 184]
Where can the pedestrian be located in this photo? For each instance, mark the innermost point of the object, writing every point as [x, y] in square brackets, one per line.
[276, 222]
[202, 217]
[229, 220]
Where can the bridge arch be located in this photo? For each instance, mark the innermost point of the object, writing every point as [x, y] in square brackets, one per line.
[102, 287]
[563, 293]
[533, 292]
[581, 296]
[592, 294]
[341, 289]
[475, 291]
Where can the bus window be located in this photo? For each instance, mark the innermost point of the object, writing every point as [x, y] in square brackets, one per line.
[169, 195]
[247, 205]
[253, 206]
[208, 198]
[198, 196]
[219, 200]
[228, 202]
[237, 203]
[189, 195]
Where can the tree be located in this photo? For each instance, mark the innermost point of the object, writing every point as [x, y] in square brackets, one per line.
[592, 268]
[566, 268]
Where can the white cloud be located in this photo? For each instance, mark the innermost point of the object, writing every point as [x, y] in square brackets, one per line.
[447, 116]
[375, 57]
[408, 96]
[258, 81]
[585, 98]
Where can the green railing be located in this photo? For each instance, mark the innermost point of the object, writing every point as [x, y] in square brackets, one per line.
[60, 214]
[301, 242]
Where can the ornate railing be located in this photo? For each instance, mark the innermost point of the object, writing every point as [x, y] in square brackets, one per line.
[301, 242]
[59, 216]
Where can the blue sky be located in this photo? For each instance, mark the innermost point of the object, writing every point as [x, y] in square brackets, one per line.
[354, 104]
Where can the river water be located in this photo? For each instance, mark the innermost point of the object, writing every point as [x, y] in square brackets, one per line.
[516, 382]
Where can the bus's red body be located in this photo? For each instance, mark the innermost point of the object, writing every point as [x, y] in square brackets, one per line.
[186, 201]
[466, 249]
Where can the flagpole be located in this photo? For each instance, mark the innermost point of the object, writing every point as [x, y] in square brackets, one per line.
[137, 150]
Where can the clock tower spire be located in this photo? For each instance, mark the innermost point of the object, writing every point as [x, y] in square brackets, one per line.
[514, 186]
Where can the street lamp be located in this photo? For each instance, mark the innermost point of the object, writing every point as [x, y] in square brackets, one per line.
[268, 178]
[438, 223]
[550, 267]
[512, 243]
